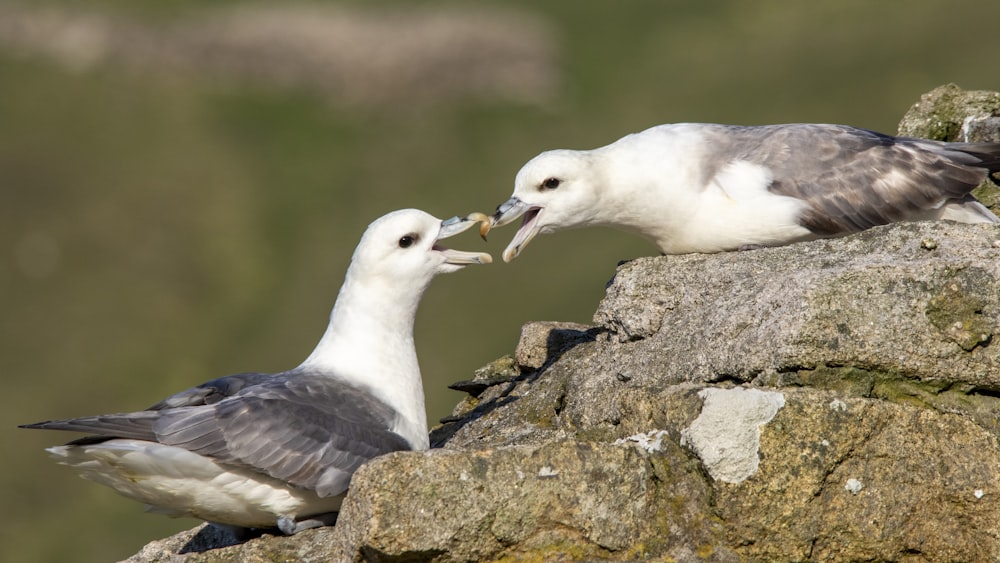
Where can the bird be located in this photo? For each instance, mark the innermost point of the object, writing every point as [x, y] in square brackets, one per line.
[704, 187]
[258, 451]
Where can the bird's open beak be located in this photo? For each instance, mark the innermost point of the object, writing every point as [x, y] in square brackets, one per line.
[455, 225]
[507, 212]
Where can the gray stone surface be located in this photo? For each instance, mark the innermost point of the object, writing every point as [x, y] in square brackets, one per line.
[879, 301]
[563, 499]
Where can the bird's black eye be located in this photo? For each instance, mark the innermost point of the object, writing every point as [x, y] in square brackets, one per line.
[406, 241]
[550, 183]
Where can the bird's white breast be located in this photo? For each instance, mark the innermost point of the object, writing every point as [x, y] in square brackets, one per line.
[735, 208]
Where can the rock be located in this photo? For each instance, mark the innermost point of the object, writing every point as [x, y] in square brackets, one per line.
[878, 301]
[558, 500]
[542, 343]
[828, 400]
[878, 389]
[948, 113]
[206, 543]
[918, 470]
[879, 438]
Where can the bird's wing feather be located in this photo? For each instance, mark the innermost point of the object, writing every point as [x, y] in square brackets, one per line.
[309, 431]
[865, 178]
[212, 391]
[135, 425]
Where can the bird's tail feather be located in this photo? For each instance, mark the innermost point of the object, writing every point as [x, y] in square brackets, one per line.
[138, 425]
[984, 155]
[967, 210]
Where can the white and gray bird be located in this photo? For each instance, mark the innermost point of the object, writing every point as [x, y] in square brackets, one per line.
[699, 187]
[257, 450]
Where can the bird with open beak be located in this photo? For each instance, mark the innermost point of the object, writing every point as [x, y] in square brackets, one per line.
[702, 187]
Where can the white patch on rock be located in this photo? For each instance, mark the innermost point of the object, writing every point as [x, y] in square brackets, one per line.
[463, 476]
[651, 441]
[838, 405]
[726, 435]
[978, 493]
[547, 471]
[854, 486]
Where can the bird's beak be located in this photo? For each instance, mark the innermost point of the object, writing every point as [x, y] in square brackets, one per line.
[455, 225]
[507, 212]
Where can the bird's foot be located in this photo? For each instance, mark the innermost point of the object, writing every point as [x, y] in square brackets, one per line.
[291, 526]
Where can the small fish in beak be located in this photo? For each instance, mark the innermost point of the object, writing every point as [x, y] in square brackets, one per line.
[455, 225]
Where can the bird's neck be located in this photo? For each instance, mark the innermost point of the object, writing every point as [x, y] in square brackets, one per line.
[651, 192]
[369, 342]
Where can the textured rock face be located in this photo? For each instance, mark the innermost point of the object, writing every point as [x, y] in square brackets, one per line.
[572, 499]
[949, 113]
[828, 400]
[879, 387]
[882, 301]
[927, 485]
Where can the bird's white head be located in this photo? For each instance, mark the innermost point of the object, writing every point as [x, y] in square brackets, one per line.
[398, 256]
[405, 246]
[553, 191]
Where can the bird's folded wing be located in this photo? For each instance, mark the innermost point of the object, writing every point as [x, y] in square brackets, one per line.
[853, 179]
[311, 432]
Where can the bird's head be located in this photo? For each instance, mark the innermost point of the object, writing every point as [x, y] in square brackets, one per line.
[406, 245]
[553, 191]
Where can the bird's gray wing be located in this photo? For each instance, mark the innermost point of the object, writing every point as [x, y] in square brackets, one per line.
[307, 429]
[312, 432]
[852, 179]
[212, 391]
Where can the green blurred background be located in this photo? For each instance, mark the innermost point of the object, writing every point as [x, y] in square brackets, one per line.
[176, 206]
